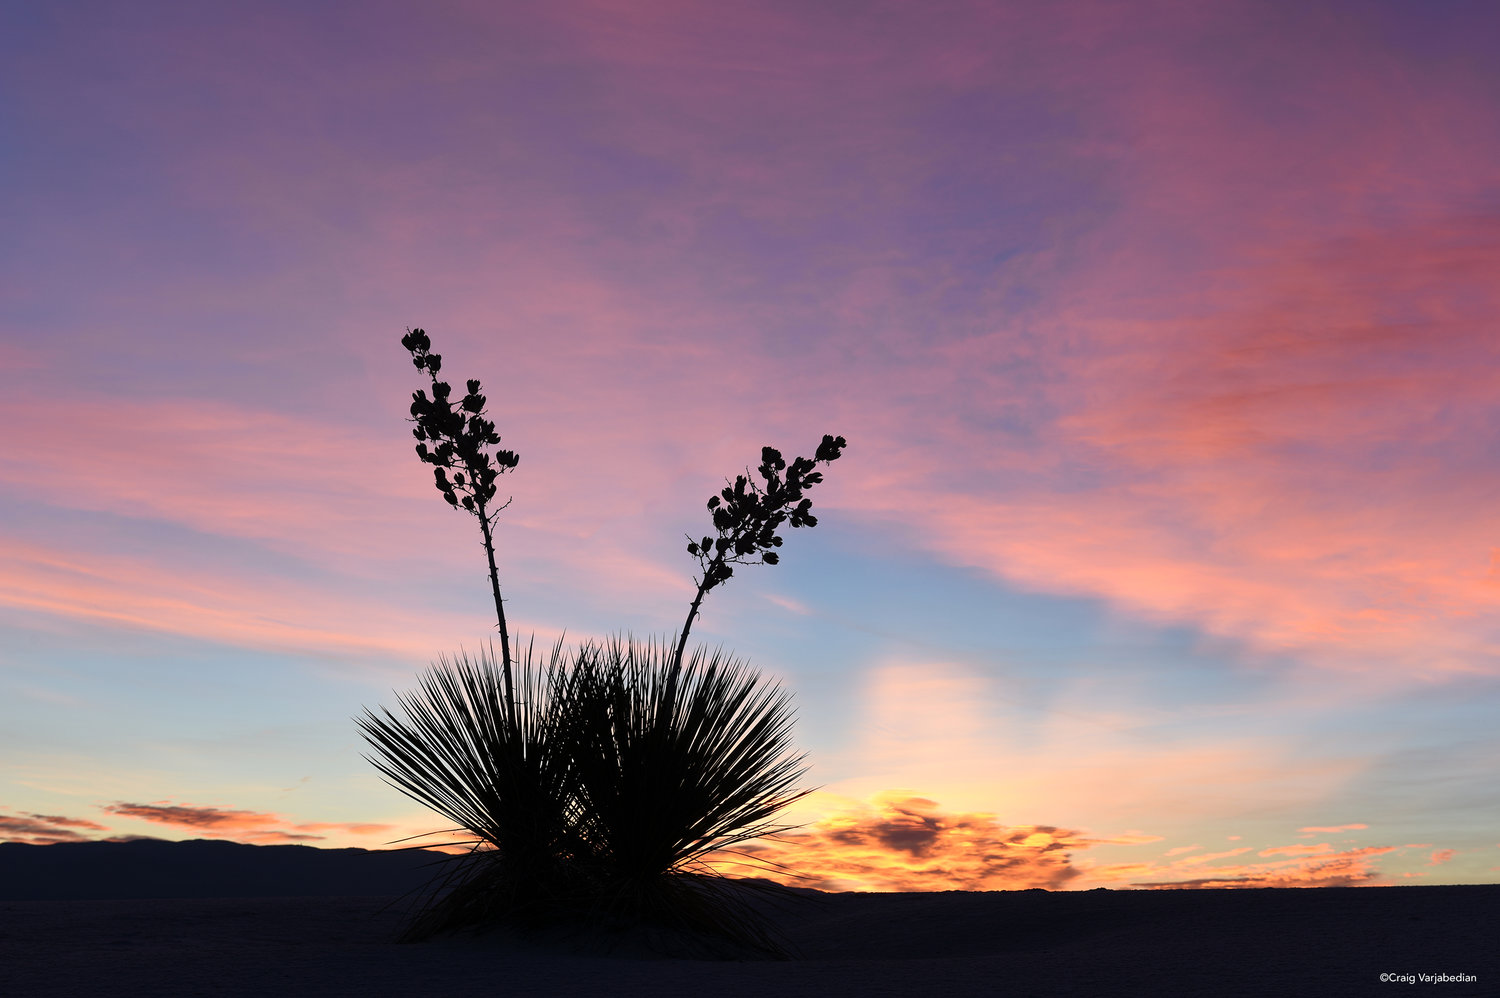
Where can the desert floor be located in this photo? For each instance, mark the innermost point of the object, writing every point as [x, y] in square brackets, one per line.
[1322, 941]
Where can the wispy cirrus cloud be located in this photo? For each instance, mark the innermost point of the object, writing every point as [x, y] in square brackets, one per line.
[228, 469]
[1297, 850]
[1352, 868]
[1049, 392]
[1330, 829]
[324, 512]
[1294, 466]
[139, 591]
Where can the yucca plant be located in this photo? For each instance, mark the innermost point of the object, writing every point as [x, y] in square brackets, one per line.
[594, 788]
[600, 805]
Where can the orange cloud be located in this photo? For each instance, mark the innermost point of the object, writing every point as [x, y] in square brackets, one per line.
[1441, 856]
[910, 844]
[243, 826]
[901, 842]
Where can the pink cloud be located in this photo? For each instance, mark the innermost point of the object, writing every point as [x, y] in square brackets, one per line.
[1348, 869]
[220, 468]
[44, 829]
[1292, 468]
[1209, 857]
[264, 612]
[210, 822]
[1218, 350]
[789, 605]
[1294, 865]
[357, 503]
[66, 822]
[1297, 850]
[1258, 408]
[242, 826]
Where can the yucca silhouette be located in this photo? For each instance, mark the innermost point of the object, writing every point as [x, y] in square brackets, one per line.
[594, 787]
[496, 765]
[601, 805]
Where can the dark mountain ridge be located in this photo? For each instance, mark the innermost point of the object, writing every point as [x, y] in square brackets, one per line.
[204, 868]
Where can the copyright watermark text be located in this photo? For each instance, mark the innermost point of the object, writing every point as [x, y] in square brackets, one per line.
[1429, 978]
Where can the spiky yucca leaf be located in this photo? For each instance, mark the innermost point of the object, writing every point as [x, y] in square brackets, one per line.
[509, 785]
[676, 764]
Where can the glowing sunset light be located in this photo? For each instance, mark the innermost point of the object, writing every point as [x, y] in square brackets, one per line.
[1163, 553]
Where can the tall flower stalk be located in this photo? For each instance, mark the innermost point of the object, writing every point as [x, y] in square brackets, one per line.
[747, 515]
[458, 445]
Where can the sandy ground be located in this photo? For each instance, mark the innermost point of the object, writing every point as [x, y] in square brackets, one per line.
[1325, 941]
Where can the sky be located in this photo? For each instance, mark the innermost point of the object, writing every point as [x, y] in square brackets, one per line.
[1164, 549]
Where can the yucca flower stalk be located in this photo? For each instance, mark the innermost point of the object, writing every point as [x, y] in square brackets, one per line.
[746, 516]
[458, 446]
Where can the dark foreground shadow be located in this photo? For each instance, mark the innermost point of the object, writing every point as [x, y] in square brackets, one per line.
[1312, 941]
